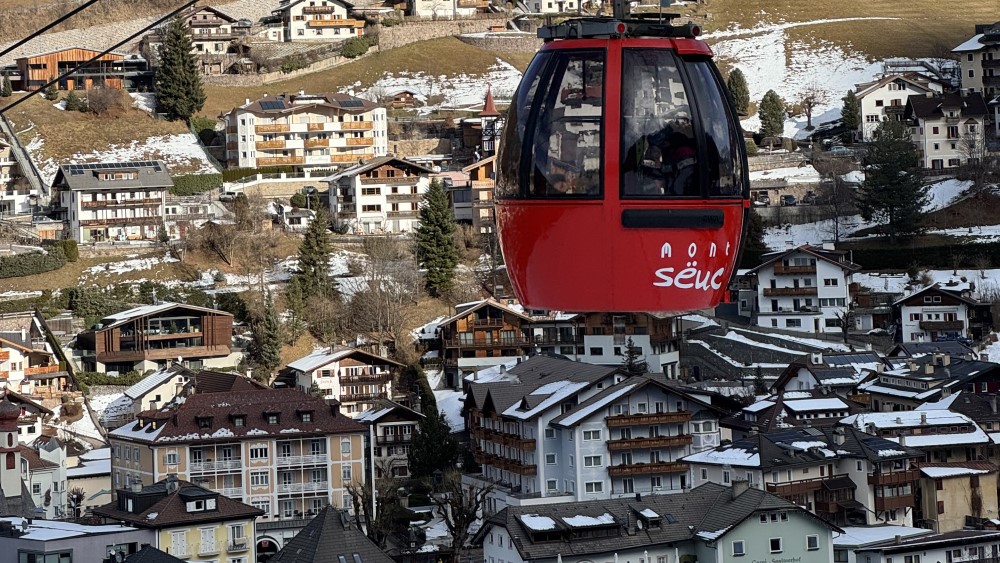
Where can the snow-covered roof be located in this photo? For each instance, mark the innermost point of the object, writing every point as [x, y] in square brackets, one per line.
[96, 453]
[859, 536]
[943, 404]
[145, 310]
[373, 414]
[50, 530]
[905, 419]
[758, 406]
[953, 471]
[538, 523]
[152, 381]
[726, 456]
[972, 44]
[557, 391]
[815, 405]
[136, 431]
[587, 410]
[584, 521]
[318, 359]
[493, 373]
[90, 468]
[649, 513]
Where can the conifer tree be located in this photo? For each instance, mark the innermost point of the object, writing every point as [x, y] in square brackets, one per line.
[178, 84]
[432, 447]
[51, 93]
[893, 195]
[850, 114]
[772, 115]
[72, 101]
[313, 277]
[737, 84]
[265, 346]
[5, 88]
[436, 249]
[632, 361]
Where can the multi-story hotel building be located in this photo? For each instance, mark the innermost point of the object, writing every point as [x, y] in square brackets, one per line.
[355, 378]
[112, 201]
[318, 131]
[280, 450]
[318, 20]
[559, 431]
[379, 196]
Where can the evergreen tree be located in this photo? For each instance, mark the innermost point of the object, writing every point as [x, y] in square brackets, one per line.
[72, 101]
[772, 115]
[632, 362]
[850, 114]
[436, 249]
[178, 83]
[432, 447]
[51, 93]
[759, 385]
[265, 345]
[892, 195]
[755, 232]
[737, 84]
[5, 89]
[313, 277]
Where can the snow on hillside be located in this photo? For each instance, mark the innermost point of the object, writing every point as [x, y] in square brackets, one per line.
[988, 279]
[943, 193]
[793, 175]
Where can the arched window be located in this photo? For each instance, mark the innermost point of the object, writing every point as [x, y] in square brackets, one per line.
[10, 460]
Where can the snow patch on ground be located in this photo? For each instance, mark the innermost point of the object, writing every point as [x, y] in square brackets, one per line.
[897, 282]
[144, 101]
[943, 194]
[131, 264]
[60, 105]
[450, 403]
[792, 175]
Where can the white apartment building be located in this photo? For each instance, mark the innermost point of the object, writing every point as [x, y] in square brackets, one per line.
[318, 20]
[357, 379]
[112, 201]
[22, 362]
[804, 289]
[947, 129]
[13, 200]
[886, 98]
[564, 431]
[980, 60]
[552, 6]
[43, 468]
[443, 9]
[391, 428]
[379, 196]
[935, 312]
[279, 450]
[306, 131]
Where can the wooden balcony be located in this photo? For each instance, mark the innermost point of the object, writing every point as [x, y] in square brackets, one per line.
[402, 181]
[357, 125]
[487, 343]
[782, 291]
[366, 378]
[646, 419]
[313, 143]
[162, 354]
[403, 197]
[279, 160]
[904, 477]
[893, 503]
[317, 9]
[801, 486]
[652, 442]
[510, 440]
[335, 23]
[391, 439]
[39, 370]
[942, 325]
[4, 375]
[360, 141]
[782, 269]
[232, 145]
[272, 144]
[141, 202]
[400, 214]
[4, 355]
[358, 397]
[272, 128]
[648, 468]
[350, 158]
[508, 464]
[488, 322]
[121, 221]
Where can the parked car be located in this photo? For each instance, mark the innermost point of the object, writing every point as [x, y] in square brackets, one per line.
[809, 198]
[789, 200]
[761, 201]
[227, 197]
[841, 151]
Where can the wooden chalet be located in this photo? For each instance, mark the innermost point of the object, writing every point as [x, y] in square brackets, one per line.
[482, 333]
[113, 70]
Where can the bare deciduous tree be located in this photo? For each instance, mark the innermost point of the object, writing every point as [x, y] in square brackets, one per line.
[377, 504]
[103, 100]
[812, 97]
[980, 163]
[460, 506]
[839, 198]
[388, 287]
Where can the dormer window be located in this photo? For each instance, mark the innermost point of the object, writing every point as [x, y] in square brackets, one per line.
[306, 416]
[204, 422]
[239, 420]
[200, 505]
[271, 417]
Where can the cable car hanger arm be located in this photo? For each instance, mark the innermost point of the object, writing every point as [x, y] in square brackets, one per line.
[110, 49]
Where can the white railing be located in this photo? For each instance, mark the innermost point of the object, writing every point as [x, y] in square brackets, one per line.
[313, 459]
[304, 487]
[196, 467]
[231, 491]
[238, 545]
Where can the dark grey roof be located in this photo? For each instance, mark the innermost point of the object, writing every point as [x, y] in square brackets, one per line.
[18, 504]
[923, 107]
[602, 400]
[149, 554]
[910, 349]
[708, 508]
[330, 538]
[151, 174]
[956, 537]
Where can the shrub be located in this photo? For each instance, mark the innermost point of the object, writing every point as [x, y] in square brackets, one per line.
[293, 63]
[233, 174]
[751, 147]
[69, 248]
[32, 263]
[391, 22]
[354, 48]
[73, 102]
[103, 100]
[191, 184]
[204, 128]
[51, 93]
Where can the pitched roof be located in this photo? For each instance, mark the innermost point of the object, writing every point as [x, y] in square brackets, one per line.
[624, 388]
[936, 286]
[475, 306]
[324, 356]
[375, 163]
[913, 79]
[116, 319]
[171, 508]
[17, 504]
[328, 538]
[832, 256]
[384, 407]
[281, 104]
[208, 381]
[149, 174]
[155, 379]
[925, 107]
[180, 423]
[149, 554]
[489, 108]
[706, 512]
[35, 462]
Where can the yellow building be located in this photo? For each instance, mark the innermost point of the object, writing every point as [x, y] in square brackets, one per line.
[282, 451]
[191, 522]
[952, 491]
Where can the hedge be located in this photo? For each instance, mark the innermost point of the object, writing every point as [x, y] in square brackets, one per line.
[31, 263]
[192, 184]
[69, 248]
[233, 174]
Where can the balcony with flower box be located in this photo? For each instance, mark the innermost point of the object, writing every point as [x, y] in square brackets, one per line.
[654, 468]
[645, 419]
[651, 442]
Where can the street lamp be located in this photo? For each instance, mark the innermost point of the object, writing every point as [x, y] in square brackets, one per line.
[309, 191]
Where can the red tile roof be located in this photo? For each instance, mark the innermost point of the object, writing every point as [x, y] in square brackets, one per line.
[171, 509]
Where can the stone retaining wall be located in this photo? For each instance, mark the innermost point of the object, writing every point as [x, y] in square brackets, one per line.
[413, 31]
[520, 43]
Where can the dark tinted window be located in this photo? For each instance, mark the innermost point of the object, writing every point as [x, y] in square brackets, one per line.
[723, 137]
[659, 151]
[552, 145]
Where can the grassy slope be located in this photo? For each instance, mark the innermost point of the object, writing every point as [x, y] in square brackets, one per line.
[448, 56]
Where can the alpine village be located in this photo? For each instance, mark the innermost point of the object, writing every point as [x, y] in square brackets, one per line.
[254, 307]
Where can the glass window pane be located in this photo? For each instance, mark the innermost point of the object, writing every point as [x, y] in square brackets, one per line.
[509, 154]
[659, 151]
[566, 158]
[723, 139]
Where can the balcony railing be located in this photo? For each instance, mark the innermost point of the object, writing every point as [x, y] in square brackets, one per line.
[648, 418]
[122, 221]
[231, 492]
[39, 370]
[367, 378]
[783, 269]
[145, 202]
[496, 322]
[357, 125]
[507, 439]
[512, 465]
[272, 144]
[780, 291]
[224, 465]
[389, 439]
[651, 442]
[401, 197]
[393, 181]
[311, 486]
[942, 325]
[335, 23]
[317, 9]
[893, 503]
[270, 161]
[991, 81]
[272, 128]
[313, 143]
[907, 476]
[356, 397]
[801, 486]
[491, 343]
[311, 459]
[401, 214]
[648, 468]
[350, 158]
[360, 141]
[235, 546]
[4, 355]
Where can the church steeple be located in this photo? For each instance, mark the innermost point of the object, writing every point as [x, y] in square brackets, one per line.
[10, 456]
[489, 108]
[492, 124]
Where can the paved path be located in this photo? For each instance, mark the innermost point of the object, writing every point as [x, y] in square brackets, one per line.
[103, 36]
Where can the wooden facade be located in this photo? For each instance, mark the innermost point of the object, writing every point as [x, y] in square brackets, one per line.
[623, 325]
[486, 331]
[107, 71]
[179, 332]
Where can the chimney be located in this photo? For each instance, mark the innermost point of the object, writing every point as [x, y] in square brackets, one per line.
[993, 404]
[923, 418]
[945, 391]
[740, 486]
[929, 368]
[789, 245]
[838, 436]
[902, 440]
[829, 245]
[899, 420]
[879, 367]
[172, 483]
[136, 486]
[945, 360]
[816, 358]
[897, 539]
[246, 102]
[754, 430]
[334, 408]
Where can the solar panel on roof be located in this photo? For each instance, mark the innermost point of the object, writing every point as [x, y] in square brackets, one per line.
[670, 518]
[271, 104]
[351, 103]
